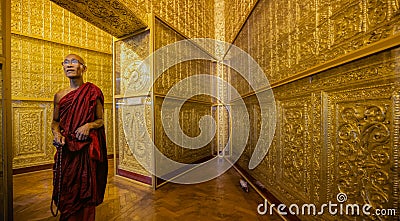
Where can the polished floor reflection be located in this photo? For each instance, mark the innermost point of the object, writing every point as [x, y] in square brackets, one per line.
[218, 199]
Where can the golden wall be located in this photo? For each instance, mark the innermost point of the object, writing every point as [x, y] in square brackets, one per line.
[135, 116]
[42, 35]
[337, 130]
[191, 111]
[303, 34]
[194, 19]
[235, 15]
[131, 136]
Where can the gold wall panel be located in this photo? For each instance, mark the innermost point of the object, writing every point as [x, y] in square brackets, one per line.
[111, 16]
[37, 70]
[165, 35]
[235, 14]
[138, 143]
[108, 125]
[131, 138]
[362, 136]
[129, 54]
[42, 19]
[189, 117]
[42, 35]
[195, 19]
[288, 37]
[33, 139]
[336, 132]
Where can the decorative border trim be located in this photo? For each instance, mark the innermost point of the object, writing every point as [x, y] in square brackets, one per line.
[374, 48]
[135, 176]
[32, 169]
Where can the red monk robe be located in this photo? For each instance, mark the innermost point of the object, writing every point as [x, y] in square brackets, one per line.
[84, 163]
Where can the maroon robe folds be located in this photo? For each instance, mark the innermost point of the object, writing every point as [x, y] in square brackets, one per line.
[84, 164]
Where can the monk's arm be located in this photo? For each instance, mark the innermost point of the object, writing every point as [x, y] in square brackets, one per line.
[55, 124]
[82, 133]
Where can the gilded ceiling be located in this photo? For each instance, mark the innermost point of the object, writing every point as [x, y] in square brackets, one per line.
[194, 19]
[109, 15]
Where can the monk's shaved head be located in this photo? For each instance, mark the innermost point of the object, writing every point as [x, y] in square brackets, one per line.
[79, 58]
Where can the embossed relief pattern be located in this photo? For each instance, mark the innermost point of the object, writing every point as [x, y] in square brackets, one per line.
[165, 36]
[190, 115]
[343, 119]
[111, 16]
[236, 12]
[294, 143]
[195, 19]
[139, 143]
[129, 56]
[108, 125]
[42, 35]
[360, 132]
[288, 37]
[32, 142]
[37, 71]
[130, 53]
[42, 19]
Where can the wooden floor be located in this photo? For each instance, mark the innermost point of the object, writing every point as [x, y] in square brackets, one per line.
[218, 199]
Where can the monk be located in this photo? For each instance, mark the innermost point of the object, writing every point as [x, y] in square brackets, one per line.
[80, 168]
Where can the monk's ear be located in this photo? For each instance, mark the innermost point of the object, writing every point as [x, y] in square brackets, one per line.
[84, 68]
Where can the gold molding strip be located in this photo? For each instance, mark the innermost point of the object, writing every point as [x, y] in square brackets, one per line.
[133, 181]
[137, 32]
[60, 43]
[119, 96]
[43, 99]
[376, 47]
[2, 60]
[32, 99]
[187, 100]
[114, 126]
[152, 47]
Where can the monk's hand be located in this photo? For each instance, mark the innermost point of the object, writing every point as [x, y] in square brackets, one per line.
[82, 133]
[59, 140]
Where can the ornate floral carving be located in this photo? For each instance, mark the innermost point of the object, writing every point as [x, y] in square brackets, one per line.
[363, 140]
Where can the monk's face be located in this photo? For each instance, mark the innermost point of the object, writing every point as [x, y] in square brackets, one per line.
[73, 66]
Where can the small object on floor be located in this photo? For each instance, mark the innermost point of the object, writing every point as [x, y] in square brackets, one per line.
[260, 185]
[243, 185]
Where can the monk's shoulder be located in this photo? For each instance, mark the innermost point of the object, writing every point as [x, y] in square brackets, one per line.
[95, 88]
[61, 93]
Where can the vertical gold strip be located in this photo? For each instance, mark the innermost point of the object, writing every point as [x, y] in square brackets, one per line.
[151, 19]
[7, 128]
[114, 107]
